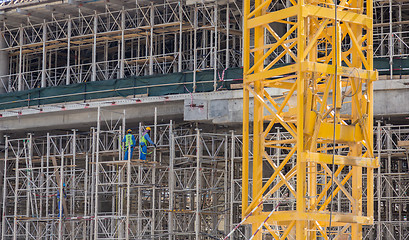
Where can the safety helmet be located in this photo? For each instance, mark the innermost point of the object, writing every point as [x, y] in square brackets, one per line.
[129, 131]
[148, 129]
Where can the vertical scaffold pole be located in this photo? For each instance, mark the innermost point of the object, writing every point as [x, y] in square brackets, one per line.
[171, 180]
[3, 222]
[379, 180]
[198, 175]
[155, 139]
[16, 191]
[96, 198]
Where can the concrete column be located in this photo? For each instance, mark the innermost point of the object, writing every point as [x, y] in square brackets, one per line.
[4, 66]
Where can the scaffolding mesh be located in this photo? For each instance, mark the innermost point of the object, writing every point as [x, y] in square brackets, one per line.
[155, 85]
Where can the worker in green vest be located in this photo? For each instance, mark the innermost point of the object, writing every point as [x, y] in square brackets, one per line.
[143, 144]
[130, 143]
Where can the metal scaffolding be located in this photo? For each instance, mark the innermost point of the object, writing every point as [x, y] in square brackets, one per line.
[78, 186]
[38, 171]
[189, 189]
[200, 190]
[391, 35]
[67, 42]
[392, 195]
[72, 42]
[118, 42]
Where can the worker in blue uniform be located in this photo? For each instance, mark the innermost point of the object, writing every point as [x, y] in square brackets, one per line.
[143, 144]
[60, 206]
[130, 143]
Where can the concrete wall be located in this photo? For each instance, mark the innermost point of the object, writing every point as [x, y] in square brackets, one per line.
[391, 98]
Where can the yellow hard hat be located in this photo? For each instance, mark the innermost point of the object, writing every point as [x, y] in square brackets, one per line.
[148, 128]
[129, 130]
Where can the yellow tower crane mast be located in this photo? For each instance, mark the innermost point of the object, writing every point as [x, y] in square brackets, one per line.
[326, 161]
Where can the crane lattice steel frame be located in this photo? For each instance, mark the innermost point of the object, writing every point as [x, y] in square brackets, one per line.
[330, 50]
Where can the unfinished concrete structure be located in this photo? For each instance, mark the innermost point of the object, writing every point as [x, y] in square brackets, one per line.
[191, 188]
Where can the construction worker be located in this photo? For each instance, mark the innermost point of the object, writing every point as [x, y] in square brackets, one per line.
[130, 143]
[60, 205]
[143, 148]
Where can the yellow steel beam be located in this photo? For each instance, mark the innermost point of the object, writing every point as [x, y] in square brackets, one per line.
[344, 16]
[341, 160]
[273, 17]
[281, 217]
[246, 113]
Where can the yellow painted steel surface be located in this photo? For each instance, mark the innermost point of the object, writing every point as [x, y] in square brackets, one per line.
[329, 50]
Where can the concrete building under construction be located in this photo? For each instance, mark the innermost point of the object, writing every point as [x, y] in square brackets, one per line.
[75, 75]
